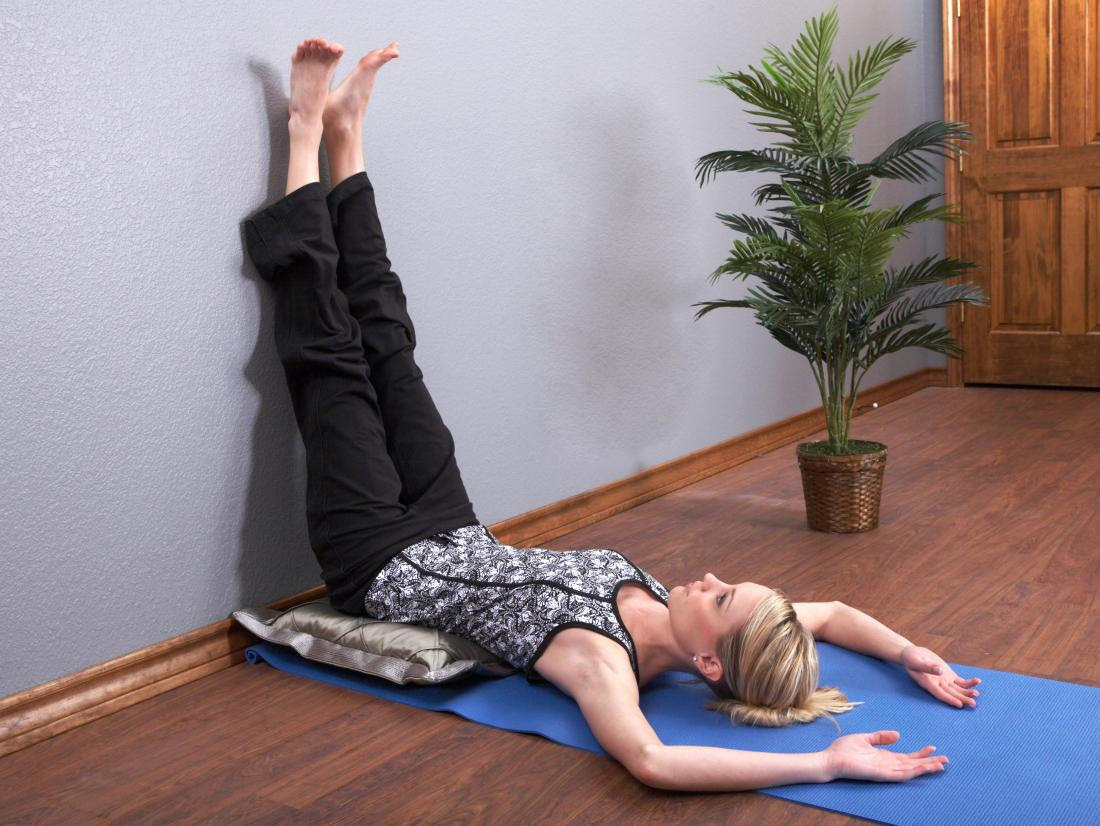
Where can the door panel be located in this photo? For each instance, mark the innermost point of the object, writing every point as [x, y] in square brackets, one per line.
[1030, 190]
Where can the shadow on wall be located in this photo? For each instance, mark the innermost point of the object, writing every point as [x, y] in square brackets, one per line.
[273, 83]
[630, 316]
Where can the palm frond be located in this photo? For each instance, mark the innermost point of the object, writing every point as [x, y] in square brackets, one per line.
[875, 243]
[810, 54]
[791, 339]
[786, 113]
[907, 310]
[831, 231]
[917, 212]
[709, 306]
[768, 159]
[761, 256]
[929, 336]
[929, 270]
[748, 224]
[902, 158]
[806, 73]
[865, 71]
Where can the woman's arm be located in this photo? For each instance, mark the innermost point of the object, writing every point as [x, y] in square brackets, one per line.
[709, 769]
[608, 698]
[607, 694]
[851, 628]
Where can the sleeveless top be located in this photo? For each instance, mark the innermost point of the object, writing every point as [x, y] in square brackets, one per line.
[510, 601]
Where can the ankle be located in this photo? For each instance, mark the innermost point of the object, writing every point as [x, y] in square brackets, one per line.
[341, 131]
[305, 130]
[344, 161]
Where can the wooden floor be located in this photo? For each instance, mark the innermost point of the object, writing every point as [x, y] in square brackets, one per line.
[988, 552]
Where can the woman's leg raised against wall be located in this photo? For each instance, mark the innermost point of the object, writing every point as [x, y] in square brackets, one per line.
[355, 517]
[420, 444]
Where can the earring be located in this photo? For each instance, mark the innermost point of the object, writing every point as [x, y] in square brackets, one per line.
[695, 659]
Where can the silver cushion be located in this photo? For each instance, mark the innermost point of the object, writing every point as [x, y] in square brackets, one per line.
[395, 651]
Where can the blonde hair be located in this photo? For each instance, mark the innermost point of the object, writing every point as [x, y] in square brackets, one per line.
[770, 671]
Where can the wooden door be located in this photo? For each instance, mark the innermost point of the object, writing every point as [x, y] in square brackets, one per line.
[1029, 188]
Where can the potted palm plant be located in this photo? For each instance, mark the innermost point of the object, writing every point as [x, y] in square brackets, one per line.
[826, 291]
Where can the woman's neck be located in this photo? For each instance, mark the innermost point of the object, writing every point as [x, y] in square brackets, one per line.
[647, 620]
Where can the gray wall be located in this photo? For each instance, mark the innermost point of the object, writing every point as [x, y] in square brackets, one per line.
[534, 169]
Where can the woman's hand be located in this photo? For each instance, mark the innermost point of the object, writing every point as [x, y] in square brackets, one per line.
[855, 757]
[935, 676]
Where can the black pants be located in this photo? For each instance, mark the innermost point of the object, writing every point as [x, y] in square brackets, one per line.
[380, 461]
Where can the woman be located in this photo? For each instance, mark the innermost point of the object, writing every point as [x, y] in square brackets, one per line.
[397, 537]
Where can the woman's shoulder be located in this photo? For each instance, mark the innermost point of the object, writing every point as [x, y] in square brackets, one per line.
[578, 653]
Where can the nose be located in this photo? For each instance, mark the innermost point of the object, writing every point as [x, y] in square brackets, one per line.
[714, 583]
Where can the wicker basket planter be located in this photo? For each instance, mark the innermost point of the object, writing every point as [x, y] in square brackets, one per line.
[842, 492]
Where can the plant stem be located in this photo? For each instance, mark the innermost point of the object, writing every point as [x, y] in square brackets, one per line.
[819, 378]
[855, 386]
[851, 401]
[836, 424]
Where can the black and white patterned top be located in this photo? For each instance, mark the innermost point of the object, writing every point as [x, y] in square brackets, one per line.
[510, 601]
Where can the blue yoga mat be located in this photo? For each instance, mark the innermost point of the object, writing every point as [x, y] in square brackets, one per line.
[1029, 753]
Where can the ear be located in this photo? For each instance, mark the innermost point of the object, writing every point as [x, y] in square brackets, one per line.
[709, 666]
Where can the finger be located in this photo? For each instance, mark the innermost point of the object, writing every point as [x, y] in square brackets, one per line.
[932, 766]
[923, 767]
[961, 700]
[936, 760]
[969, 700]
[971, 681]
[952, 699]
[963, 695]
[882, 738]
[940, 692]
[927, 750]
[923, 756]
[946, 696]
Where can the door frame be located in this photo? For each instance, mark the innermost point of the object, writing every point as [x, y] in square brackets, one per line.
[952, 177]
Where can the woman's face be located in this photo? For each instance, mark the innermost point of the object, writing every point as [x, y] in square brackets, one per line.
[708, 609]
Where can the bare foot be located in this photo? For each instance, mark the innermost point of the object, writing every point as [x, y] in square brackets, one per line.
[312, 66]
[347, 103]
